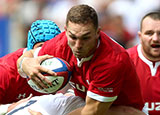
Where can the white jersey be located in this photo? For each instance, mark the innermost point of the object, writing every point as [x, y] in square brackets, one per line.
[58, 104]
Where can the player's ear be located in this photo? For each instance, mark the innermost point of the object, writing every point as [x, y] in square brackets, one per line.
[98, 32]
[139, 34]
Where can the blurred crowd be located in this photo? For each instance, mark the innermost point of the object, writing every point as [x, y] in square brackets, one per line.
[118, 18]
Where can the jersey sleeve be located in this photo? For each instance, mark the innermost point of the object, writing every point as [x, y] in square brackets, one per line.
[107, 81]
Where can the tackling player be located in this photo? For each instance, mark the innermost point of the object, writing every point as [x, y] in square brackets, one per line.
[12, 86]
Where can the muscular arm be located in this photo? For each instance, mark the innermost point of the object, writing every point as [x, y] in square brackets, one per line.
[92, 107]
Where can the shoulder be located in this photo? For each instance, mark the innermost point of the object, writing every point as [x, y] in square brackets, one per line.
[109, 43]
[133, 52]
[109, 47]
[109, 51]
[110, 55]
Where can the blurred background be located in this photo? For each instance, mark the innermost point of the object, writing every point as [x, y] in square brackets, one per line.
[120, 19]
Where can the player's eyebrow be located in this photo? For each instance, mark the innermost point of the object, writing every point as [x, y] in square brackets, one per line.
[72, 34]
[85, 34]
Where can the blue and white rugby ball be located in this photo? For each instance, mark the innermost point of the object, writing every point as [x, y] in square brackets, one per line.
[63, 70]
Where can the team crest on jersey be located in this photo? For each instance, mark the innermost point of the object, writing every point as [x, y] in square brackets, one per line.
[105, 89]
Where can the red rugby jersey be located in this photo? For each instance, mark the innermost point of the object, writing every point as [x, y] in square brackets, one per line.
[108, 76]
[149, 75]
[12, 86]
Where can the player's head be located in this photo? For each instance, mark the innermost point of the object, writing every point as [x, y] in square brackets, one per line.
[82, 14]
[82, 30]
[153, 15]
[41, 31]
[149, 35]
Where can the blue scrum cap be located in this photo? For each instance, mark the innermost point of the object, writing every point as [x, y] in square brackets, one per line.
[41, 31]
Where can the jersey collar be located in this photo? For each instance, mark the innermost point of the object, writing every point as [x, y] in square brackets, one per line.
[80, 62]
[153, 67]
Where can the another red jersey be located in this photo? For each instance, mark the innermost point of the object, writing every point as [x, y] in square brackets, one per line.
[107, 76]
[149, 75]
[12, 86]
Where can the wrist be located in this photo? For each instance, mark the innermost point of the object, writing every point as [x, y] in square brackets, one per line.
[20, 69]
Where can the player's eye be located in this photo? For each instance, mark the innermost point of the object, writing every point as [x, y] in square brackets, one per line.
[149, 33]
[86, 38]
[73, 37]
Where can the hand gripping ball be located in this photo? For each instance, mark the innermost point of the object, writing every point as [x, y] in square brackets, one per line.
[63, 70]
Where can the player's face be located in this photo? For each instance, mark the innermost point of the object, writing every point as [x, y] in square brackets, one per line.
[38, 45]
[150, 38]
[82, 39]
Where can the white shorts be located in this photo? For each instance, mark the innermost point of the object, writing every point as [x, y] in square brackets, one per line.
[58, 104]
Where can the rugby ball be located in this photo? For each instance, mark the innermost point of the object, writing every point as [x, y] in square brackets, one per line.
[63, 70]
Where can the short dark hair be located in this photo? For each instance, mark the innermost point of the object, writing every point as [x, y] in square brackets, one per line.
[154, 15]
[82, 14]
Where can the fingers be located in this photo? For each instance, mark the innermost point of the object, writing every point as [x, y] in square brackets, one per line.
[40, 83]
[48, 71]
[34, 112]
[40, 80]
[35, 70]
[44, 57]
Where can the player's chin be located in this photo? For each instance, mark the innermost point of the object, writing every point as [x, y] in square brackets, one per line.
[155, 52]
[77, 55]
[156, 55]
